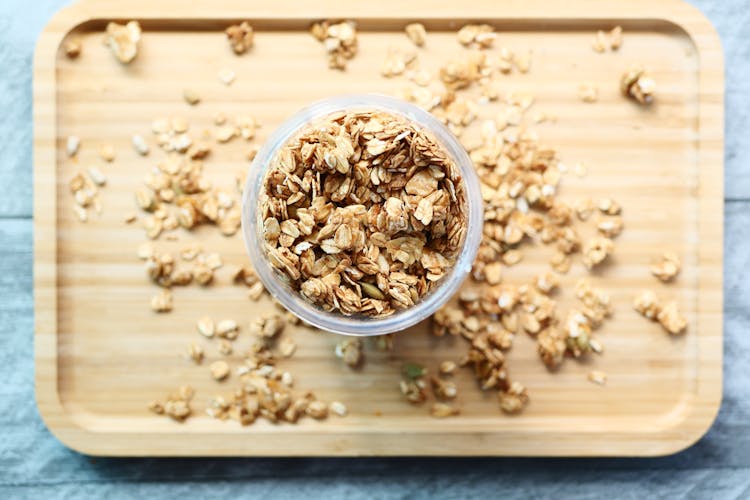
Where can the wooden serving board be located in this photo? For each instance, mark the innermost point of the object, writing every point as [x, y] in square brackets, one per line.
[102, 355]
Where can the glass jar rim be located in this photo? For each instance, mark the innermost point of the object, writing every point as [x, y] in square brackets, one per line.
[334, 321]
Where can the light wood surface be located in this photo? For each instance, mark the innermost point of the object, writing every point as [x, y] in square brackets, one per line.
[101, 354]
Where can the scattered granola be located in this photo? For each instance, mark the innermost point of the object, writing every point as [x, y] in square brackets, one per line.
[123, 40]
[339, 40]
[338, 408]
[666, 267]
[416, 33]
[611, 40]
[588, 92]
[219, 370]
[227, 76]
[177, 405]
[596, 250]
[240, 37]
[72, 48]
[397, 61]
[350, 351]
[107, 153]
[191, 96]
[363, 213]
[670, 318]
[597, 377]
[195, 353]
[667, 314]
[480, 36]
[448, 367]
[72, 145]
[162, 301]
[140, 145]
[638, 85]
[443, 410]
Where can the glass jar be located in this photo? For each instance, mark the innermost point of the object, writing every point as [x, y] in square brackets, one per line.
[360, 325]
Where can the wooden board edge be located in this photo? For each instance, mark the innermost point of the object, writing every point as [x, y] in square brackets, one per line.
[51, 410]
[686, 431]
[708, 396]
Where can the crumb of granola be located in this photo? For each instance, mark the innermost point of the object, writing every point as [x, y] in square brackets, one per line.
[666, 267]
[670, 318]
[350, 351]
[287, 347]
[107, 153]
[397, 61]
[611, 40]
[338, 408]
[195, 353]
[480, 36]
[638, 85]
[600, 42]
[615, 38]
[596, 250]
[609, 226]
[240, 37]
[268, 326]
[647, 304]
[72, 48]
[72, 145]
[156, 407]
[130, 217]
[227, 328]
[448, 367]
[363, 239]
[227, 76]
[339, 40]
[317, 410]
[191, 96]
[219, 370]
[443, 389]
[443, 410]
[514, 399]
[123, 40]
[140, 145]
[225, 347]
[206, 327]
[588, 92]
[598, 377]
[177, 405]
[162, 301]
[416, 33]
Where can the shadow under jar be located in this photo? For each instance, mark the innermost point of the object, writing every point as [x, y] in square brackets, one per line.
[362, 214]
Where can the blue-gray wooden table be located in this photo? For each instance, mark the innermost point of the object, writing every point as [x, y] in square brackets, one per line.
[33, 464]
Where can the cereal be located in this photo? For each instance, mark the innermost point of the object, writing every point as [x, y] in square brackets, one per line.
[386, 228]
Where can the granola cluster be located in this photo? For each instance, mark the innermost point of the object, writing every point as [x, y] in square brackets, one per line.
[363, 213]
[666, 313]
[123, 40]
[638, 85]
[339, 40]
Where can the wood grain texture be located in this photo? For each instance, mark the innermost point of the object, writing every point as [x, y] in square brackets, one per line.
[101, 355]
